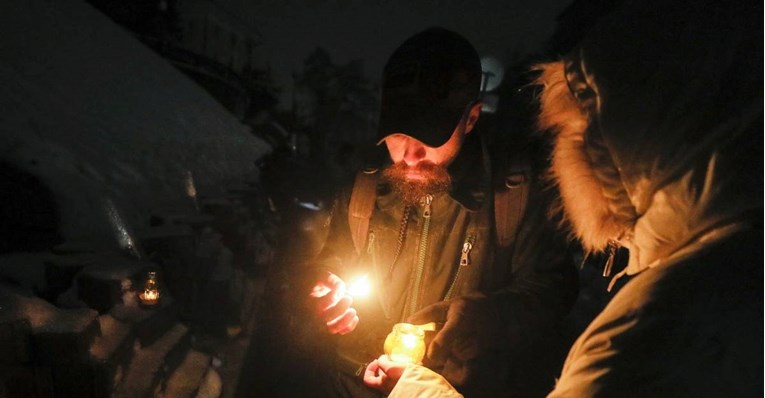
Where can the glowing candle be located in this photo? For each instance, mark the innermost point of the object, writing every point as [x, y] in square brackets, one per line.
[405, 343]
[150, 294]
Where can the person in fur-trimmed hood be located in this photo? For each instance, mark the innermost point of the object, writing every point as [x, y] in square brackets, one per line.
[657, 118]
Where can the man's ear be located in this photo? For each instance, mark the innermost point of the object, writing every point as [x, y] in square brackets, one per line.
[472, 118]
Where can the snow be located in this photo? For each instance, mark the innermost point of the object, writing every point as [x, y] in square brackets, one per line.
[111, 128]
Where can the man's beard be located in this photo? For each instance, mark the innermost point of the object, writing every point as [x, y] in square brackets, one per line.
[435, 179]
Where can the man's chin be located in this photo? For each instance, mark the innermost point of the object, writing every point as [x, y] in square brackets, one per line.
[414, 177]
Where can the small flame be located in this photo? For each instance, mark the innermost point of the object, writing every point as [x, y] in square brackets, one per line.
[149, 296]
[359, 287]
[409, 341]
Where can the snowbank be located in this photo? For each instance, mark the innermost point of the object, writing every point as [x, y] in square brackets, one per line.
[111, 128]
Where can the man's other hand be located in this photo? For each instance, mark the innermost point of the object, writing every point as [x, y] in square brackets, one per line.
[332, 305]
[465, 334]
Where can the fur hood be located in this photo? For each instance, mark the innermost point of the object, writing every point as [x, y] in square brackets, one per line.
[659, 147]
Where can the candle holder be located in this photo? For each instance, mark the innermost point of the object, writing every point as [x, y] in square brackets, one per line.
[150, 295]
[405, 344]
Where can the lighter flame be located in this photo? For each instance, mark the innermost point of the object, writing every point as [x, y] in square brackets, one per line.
[359, 287]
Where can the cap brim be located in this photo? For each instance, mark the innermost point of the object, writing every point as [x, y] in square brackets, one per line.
[433, 125]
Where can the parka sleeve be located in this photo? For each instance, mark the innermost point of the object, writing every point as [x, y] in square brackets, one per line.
[419, 381]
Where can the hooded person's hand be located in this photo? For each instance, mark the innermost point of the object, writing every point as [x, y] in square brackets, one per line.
[467, 330]
[332, 306]
[382, 374]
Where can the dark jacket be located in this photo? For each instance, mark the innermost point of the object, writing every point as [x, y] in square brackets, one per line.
[528, 285]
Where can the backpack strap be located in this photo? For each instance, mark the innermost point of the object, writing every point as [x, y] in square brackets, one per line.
[361, 206]
[511, 194]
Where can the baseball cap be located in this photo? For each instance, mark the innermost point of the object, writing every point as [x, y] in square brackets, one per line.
[428, 83]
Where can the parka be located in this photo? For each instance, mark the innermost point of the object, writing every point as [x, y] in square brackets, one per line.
[673, 96]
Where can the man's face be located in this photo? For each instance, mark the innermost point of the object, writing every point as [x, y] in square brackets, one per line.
[419, 169]
[416, 156]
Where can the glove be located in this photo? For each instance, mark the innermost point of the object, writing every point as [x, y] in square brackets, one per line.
[332, 306]
[467, 331]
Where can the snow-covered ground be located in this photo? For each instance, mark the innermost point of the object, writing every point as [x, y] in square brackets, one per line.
[111, 128]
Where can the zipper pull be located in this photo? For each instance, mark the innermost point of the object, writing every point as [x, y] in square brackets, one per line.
[464, 259]
[371, 241]
[426, 201]
[611, 250]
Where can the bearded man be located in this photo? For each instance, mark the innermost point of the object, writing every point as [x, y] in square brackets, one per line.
[444, 238]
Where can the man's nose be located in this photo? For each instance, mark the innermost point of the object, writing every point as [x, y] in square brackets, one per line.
[414, 153]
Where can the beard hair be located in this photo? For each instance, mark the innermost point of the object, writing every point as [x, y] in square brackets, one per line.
[435, 180]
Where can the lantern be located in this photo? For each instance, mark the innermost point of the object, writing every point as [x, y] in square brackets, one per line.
[405, 343]
[150, 294]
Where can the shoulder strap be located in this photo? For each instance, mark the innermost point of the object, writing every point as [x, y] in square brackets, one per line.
[510, 198]
[361, 206]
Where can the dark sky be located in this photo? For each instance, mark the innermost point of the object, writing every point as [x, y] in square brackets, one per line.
[371, 30]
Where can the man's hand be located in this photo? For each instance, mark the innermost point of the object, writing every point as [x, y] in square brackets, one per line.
[382, 374]
[332, 305]
[468, 324]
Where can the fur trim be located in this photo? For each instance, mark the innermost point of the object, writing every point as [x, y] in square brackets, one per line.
[584, 206]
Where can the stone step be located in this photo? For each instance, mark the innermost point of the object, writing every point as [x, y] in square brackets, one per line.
[212, 385]
[115, 341]
[25, 381]
[188, 377]
[151, 364]
[148, 323]
[110, 354]
[15, 341]
[101, 285]
[26, 270]
[58, 345]
[57, 335]
[61, 270]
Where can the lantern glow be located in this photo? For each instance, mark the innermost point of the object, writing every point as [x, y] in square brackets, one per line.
[150, 294]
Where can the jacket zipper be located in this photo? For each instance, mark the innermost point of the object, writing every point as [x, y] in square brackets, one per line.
[372, 253]
[371, 240]
[464, 262]
[426, 212]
